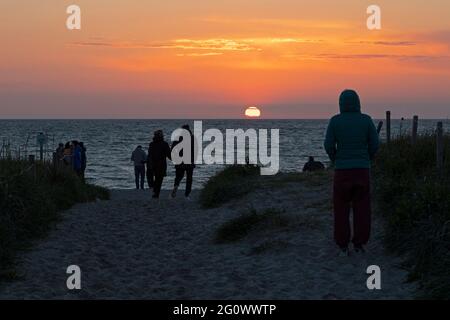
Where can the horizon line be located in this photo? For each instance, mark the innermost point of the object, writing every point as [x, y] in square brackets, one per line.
[207, 118]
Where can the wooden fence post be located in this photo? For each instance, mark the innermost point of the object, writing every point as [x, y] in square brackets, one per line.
[440, 147]
[388, 126]
[414, 129]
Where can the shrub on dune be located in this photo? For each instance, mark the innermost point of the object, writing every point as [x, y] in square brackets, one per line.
[30, 198]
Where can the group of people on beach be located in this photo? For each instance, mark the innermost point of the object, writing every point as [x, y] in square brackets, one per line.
[351, 143]
[72, 155]
[153, 164]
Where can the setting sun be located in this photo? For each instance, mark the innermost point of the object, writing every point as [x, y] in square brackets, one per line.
[252, 112]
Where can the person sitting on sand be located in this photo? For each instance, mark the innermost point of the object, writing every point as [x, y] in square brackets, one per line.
[181, 168]
[313, 165]
[158, 151]
[139, 157]
[351, 143]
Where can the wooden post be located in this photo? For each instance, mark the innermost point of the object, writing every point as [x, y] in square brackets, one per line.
[388, 126]
[414, 129]
[440, 148]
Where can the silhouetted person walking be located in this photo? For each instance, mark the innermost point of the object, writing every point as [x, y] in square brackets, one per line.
[182, 168]
[351, 143]
[159, 151]
[139, 158]
[313, 165]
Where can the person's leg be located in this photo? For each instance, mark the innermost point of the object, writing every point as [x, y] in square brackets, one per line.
[342, 201]
[142, 177]
[158, 183]
[189, 174]
[179, 174]
[361, 208]
[150, 178]
[136, 176]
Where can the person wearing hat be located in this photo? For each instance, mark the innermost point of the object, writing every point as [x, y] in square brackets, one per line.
[351, 143]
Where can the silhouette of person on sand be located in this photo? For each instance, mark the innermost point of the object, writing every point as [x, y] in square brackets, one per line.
[139, 158]
[351, 143]
[182, 168]
[158, 153]
[313, 165]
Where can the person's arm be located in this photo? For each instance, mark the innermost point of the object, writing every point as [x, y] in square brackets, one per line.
[168, 151]
[330, 141]
[132, 156]
[373, 139]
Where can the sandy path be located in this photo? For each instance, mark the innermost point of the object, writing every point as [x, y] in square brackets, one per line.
[134, 247]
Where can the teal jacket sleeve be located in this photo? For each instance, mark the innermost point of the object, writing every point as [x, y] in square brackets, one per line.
[373, 139]
[330, 142]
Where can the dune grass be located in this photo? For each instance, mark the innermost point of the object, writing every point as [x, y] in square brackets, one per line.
[238, 228]
[415, 201]
[30, 199]
[229, 184]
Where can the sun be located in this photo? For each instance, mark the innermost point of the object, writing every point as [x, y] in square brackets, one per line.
[252, 112]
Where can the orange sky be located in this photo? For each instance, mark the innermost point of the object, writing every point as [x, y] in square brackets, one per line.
[210, 59]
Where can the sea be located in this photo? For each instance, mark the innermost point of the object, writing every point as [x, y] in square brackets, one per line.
[110, 143]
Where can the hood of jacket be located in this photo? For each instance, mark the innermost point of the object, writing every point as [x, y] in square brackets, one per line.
[349, 102]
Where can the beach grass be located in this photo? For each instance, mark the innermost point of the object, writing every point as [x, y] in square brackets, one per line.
[229, 184]
[31, 195]
[238, 228]
[414, 199]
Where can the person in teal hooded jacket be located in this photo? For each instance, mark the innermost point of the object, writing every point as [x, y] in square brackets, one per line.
[351, 142]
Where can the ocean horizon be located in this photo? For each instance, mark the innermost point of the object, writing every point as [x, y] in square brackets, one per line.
[110, 142]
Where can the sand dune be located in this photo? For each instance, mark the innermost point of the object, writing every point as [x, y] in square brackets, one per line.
[134, 247]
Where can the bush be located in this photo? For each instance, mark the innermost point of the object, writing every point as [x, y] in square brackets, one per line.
[415, 200]
[30, 198]
[231, 183]
[240, 227]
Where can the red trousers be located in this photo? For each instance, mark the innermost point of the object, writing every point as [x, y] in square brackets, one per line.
[351, 190]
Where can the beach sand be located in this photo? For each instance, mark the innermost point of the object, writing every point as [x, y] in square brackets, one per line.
[133, 247]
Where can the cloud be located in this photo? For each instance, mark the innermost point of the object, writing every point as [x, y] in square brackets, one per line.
[182, 44]
[212, 44]
[205, 54]
[389, 43]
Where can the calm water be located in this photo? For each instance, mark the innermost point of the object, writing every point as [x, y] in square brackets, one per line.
[110, 142]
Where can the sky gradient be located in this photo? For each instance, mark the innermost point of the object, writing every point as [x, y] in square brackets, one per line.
[211, 59]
